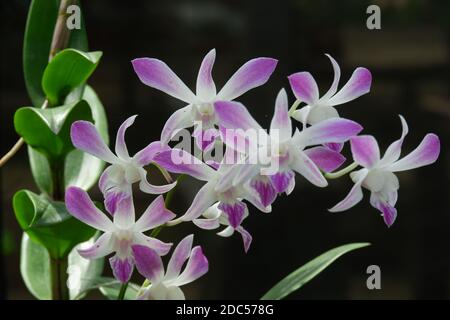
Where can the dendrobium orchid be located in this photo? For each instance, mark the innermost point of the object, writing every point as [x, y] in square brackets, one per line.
[318, 108]
[213, 218]
[166, 285]
[378, 175]
[116, 181]
[120, 234]
[219, 186]
[200, 110]
[286, 151]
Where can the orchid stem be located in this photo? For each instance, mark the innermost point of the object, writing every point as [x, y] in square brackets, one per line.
[294, 107]
[58, 271]
[122, 291]
[340, 173]
[164, 172]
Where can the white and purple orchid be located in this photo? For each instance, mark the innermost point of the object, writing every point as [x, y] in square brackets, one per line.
[213, 218]
[317, 108]
[219, 187]
[120, 234]
[165, 285]
[286, 151]
[378, 175]
[200, 110]
[116, 181]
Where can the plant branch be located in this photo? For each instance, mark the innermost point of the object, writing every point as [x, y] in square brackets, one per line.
[122, 291]
[340, 173]
[61, 35]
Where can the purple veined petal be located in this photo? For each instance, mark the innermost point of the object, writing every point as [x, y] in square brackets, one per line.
[354, 196]
[81, 207]
[155, 215]
[113, 197]
[304, 87]
[122, 268]
[180, 161]
[281, 122]
[393, 151]
[85, 137]
[321, 113]
[330, 130]
[156, 74]
[254, 198]
[121, 146]
[234, 115]
[161, 248]
[358, 85]
[196, 267]
[207, 224]
[124, 216]
[148, 263]
[337, 76]
[365, 150]
[281, 180]
[426, 153]
[204, 199]
[302, 114]
[180, 119]
[326, 159]
[246, 238]
[388, 211]
[235, 212]
[101, 247]
[306, 167]
[252, 74]
[205, 138]
[263, 186]
[337, 147]
[227, 232]
[146, 155]
[206, 88]
[179, 257]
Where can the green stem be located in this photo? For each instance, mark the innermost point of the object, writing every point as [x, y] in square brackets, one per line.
[340, 173]
[58, 272]
[58, 179]
[122, 291]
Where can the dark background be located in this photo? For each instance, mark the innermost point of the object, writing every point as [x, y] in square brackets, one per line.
[409, 61]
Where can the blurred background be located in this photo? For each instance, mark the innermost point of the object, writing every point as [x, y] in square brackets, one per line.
[409, 60]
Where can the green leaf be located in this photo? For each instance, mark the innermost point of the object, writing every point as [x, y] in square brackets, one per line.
[82, 169]
[35, 270]
[111, 291]
[41, 22]
[48, 223]
[304, 274]
[48, 130]
[69, 69]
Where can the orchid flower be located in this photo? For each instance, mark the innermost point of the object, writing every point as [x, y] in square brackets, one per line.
[116, 181]
[213, 218]
[321, 108]
[158, 75]
[166, 285]
[121, 233]
[378, 175]
[219, 186]
[286, 151]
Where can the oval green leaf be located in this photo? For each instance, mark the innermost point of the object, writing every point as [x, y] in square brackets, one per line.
[304, 274]
[49, 224]
[69, 69]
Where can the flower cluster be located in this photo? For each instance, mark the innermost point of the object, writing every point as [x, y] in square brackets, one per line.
[257, 166]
